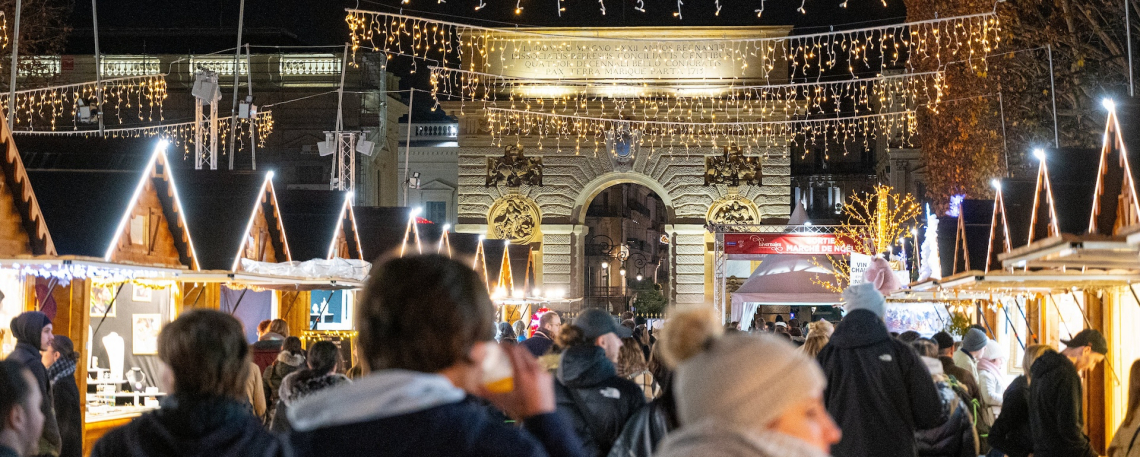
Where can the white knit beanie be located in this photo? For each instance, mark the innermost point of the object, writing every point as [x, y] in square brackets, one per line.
[865, 296]
[745, 380]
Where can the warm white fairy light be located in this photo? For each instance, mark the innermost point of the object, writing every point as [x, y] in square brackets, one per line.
[941, 41]
[721, 103]
[132, 97]
[180, 135]
[577, 132]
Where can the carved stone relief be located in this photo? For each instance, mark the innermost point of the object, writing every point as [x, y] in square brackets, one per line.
[514, 217]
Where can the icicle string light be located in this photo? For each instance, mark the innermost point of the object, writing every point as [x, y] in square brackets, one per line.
[577, 132]
[727, 103]
[179, 134]
[133, 97]
[878, 49]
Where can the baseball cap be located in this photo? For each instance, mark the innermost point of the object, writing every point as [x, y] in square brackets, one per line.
[1091, 338]
[595, 323]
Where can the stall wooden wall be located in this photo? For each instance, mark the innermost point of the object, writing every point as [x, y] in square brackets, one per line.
[199, 295]
[293, 307]
[1095, 409]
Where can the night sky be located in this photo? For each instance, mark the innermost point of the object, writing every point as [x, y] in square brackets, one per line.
[203, 26]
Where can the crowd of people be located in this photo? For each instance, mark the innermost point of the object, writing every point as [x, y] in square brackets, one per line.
[428, 344]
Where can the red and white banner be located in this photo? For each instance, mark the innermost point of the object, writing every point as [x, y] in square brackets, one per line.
[783, 243]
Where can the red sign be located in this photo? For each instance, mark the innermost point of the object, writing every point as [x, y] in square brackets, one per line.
[782, 243]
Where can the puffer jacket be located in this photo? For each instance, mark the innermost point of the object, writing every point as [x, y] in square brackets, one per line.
[596, 400]
[644, 431]
[285, 364]
[878, 390]
[956, 437]
[293, 388]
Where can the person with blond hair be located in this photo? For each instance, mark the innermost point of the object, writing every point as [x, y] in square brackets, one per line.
[1010, 433]
[1125, 442]
[819, 333]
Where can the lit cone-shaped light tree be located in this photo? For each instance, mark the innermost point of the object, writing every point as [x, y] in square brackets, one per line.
[872, 222]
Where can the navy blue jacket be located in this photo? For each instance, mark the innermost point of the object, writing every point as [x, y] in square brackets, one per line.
[455, 429]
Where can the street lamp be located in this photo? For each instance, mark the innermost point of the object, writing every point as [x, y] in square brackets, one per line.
[621, 271]
[605, 265]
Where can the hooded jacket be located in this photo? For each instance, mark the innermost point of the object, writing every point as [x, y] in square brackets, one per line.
[709, 438]
[294, 388]
[597, 401]
[878, 390]
[206, 427]
[407, 413]
[1055, 409]
[956, 436]
[538, 344]
[27, 328]
[1010, 433]
[286, 363]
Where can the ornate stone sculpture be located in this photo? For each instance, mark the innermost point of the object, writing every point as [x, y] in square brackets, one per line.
[733, 168]
[733, 209]
[514, 217]
[514, 169]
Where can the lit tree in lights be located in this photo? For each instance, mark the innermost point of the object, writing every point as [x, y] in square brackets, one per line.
[873, 221]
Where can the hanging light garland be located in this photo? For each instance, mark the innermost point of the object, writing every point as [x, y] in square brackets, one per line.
[727, 103]
[180, 134]
[137, 97]
[878, 49]
[593, 133]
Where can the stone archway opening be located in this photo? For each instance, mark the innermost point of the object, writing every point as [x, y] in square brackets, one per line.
[625, 244]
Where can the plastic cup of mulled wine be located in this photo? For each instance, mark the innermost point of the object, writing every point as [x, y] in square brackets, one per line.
[497, 374]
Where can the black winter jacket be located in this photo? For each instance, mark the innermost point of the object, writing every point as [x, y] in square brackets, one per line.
[29, 356]
[878, 390]
[644, 431]
[1010, 433]
[212, 427]
[956, 436]
[596, 400]
[1055, 409]
[539, 344]
[66, 401]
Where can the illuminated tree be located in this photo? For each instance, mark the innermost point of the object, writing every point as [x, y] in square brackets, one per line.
[872, 222]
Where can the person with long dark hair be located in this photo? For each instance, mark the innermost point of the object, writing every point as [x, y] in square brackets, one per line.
[291, 359]
[33, 334]
[60, 359]
[323, 360]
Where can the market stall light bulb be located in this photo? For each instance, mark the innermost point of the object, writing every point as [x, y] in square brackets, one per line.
[996, 184]
[1108, 103]
[1039, 153]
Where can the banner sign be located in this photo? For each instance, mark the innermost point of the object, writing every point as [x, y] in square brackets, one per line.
[783, 243]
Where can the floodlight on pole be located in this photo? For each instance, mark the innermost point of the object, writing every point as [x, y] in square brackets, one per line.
[996, 184]
[1039, 153]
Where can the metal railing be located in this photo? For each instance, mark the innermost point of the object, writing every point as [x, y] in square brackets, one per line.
[431, 132]
[770, 228]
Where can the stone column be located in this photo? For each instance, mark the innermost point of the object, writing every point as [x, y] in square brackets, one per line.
[686, 264]
[562, 255]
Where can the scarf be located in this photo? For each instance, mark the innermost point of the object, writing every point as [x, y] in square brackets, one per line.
[991, 366]
[61, 368]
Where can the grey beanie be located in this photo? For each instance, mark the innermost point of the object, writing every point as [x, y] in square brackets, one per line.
[974, 340]
[745, 380]
[865, 296]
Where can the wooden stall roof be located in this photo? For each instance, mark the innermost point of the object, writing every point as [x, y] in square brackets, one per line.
[87, 208]
[316, 220]
[1035, 281]
[1115, 204]
[1070, 251]
[221, 206]
[22, 227]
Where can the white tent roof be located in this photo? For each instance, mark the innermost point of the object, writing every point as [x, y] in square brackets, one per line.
[786, 279]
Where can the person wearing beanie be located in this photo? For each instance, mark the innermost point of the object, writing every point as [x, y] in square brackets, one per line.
[946, 356]
[973, 346]
[878, 389]
[33, 332]
[748, 395]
